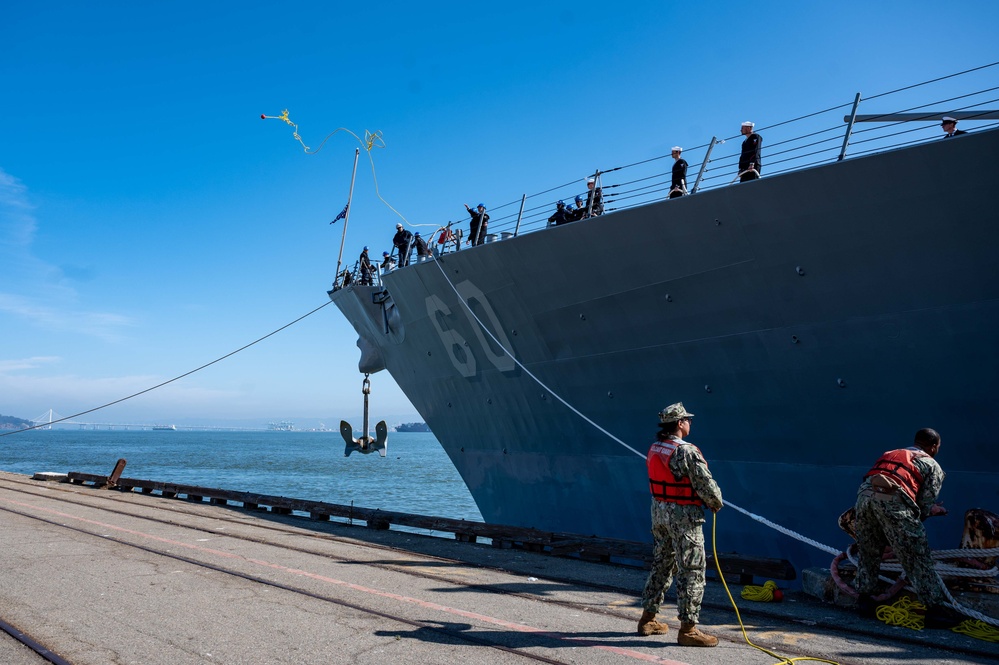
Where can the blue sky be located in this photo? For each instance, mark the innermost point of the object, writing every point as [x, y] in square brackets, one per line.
[151, 222]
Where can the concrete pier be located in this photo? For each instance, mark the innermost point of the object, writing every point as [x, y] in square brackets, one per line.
[99, 576]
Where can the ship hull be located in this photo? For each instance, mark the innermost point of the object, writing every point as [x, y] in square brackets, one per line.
[810, 320]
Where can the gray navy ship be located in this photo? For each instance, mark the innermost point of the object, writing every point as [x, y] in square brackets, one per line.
[811, 319]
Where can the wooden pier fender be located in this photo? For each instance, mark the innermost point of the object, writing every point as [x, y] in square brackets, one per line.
[593, 548]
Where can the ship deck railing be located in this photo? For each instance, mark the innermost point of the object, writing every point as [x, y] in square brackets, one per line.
[895, 119]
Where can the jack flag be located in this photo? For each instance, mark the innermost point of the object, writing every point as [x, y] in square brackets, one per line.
[342, 215]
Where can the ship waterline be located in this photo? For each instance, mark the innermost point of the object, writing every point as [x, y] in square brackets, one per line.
[811, 320]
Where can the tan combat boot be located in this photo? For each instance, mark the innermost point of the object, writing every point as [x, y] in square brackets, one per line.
[648, 625]
[689, 636]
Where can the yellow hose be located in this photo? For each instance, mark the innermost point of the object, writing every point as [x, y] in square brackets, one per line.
[780, 659]
[907, 613]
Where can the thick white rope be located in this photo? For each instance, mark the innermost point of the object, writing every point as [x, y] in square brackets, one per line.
[753, 516]
[964, 609]
[527, 371]
[947, 569]
[951, 602]
[742, 173]
[787, 532]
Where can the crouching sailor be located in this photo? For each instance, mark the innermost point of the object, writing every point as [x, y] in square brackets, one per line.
[681, 486]
[897, 494]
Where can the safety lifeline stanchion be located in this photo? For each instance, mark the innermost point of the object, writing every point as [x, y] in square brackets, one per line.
[780, 659]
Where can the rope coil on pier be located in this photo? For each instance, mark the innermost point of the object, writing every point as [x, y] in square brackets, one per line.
[898, 584]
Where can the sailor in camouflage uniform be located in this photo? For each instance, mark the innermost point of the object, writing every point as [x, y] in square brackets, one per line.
[681, 486]
[896, 495]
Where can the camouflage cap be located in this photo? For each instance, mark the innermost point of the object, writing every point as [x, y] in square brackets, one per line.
[673, 413]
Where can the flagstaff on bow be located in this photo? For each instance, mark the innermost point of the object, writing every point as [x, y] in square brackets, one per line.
[345, 213]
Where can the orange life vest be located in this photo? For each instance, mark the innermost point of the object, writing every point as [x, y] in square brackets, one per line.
[897, 465]
[664, 485]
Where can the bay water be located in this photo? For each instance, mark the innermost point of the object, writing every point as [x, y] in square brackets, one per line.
[416, 476]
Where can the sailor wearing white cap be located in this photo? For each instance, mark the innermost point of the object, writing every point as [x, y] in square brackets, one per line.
[594, 198]
[403, 239]
[949, 125]
[679, 185]
[750, 161]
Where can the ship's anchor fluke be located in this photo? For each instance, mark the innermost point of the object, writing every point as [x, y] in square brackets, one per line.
[365, 444]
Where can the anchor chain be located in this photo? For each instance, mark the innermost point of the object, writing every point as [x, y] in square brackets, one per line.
[365, 390]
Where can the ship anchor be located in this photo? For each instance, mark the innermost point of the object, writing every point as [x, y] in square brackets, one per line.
[365, 444]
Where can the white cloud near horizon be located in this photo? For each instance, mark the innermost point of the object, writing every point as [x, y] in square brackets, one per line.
[21, 364]
[76, 393]
[17, 223]
[35, 291]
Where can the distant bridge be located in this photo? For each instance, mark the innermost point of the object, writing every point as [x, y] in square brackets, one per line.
[50, 417]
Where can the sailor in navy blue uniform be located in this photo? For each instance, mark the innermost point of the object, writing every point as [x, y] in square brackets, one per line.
[366, 268]
[750, 160]
[387, 262]
[561, 215]
[422, 250]
[403, 239]
[949, 125]
[478, 225]
[679, 185]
